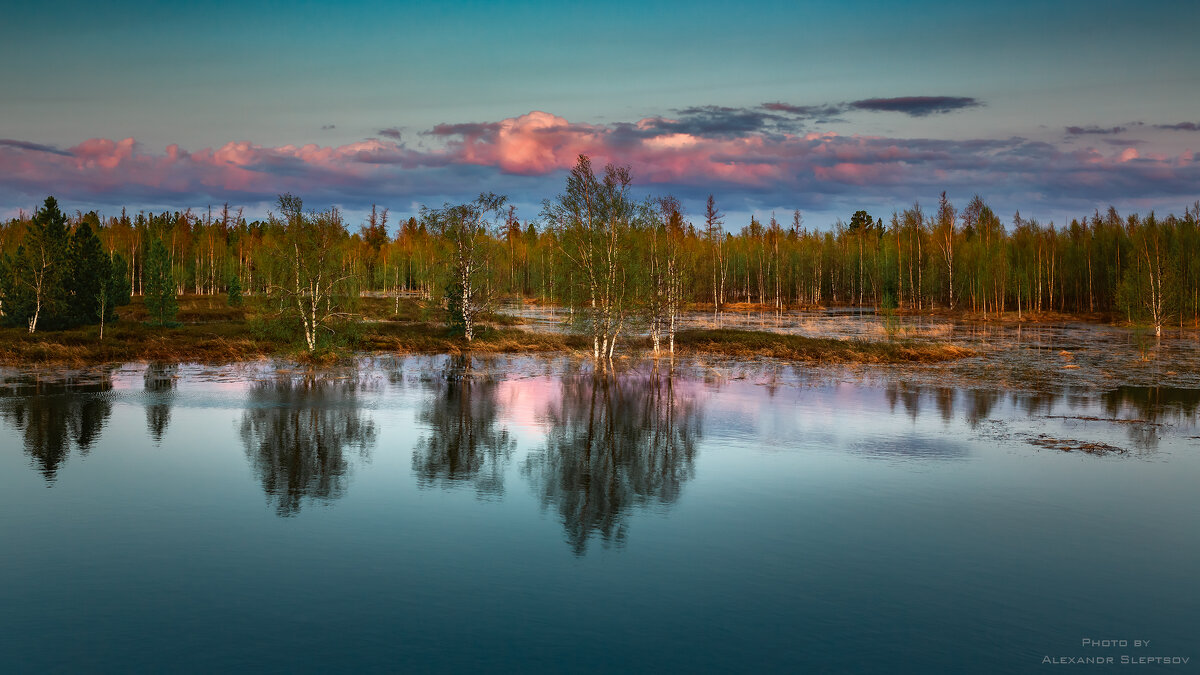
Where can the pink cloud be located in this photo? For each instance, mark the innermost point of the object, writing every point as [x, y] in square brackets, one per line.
[103, 153]
[805, 168]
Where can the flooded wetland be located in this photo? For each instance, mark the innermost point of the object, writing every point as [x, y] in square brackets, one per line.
[520, 512]
[787, 337]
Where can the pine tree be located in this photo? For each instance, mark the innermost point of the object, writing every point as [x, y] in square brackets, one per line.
[160, 286]
[235, 291]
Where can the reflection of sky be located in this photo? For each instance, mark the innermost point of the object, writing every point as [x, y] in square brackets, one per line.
[1088, 85]
[804, 516]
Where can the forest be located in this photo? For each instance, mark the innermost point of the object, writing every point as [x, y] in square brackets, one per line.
[622, 265]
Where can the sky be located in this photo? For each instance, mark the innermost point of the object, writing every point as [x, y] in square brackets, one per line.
[1053, 108]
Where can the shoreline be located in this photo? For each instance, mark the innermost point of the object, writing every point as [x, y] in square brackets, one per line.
[233, 342]
[213, 333]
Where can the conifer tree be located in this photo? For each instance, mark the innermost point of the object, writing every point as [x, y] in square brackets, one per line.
[118, 279]
[89, 278]
[32, 280]
[235, 291]
[160, 286]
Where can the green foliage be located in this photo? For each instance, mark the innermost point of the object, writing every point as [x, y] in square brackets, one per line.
[592, 241]
[313, 284]
[289, 330]
[9, 289]
[454, 308]
[234, 295]
[118, 281]
[33, 287]
[160, 285]
[594, 223]
[1129, 294]
[887, 309]
[861, 220]
[58, 279]
[466, 230]
[90, 277]
[276, 330]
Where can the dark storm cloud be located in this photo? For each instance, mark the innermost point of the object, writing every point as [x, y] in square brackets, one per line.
[1181, 126]
[916, 106]
[1094, 130]
[711, 121]
[465, 129]
[804, 110]
[36, 147]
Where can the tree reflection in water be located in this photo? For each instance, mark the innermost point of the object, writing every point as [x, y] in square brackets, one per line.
[53, 417]
[1152, 403]
[612, 444]
[464, 444]
[296, 431]
[159, 385]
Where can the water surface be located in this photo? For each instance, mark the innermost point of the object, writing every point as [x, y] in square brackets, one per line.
[517, 514]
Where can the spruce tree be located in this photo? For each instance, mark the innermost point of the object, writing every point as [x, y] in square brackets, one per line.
[118, 280]
[90, 270]
[159, 285]
[33, 279]
[7, 285]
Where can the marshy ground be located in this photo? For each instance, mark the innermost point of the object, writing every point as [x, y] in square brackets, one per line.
[911, 349]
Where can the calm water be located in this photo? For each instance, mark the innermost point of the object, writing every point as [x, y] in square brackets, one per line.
[518, 515]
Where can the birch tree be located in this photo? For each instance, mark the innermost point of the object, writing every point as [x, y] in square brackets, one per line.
[1148, 282]
[466, 229]
[593, 219]
[312, 285]
[666, 271]
[945, 224]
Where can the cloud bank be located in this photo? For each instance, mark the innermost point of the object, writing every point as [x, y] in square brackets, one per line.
[744, 156]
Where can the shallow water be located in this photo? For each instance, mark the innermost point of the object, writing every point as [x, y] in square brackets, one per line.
[517, 513]
[1022, 356]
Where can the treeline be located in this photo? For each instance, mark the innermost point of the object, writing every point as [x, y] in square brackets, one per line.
[630, 264]
[59, 275]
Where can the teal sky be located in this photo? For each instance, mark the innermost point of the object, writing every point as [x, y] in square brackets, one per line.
[202, 75]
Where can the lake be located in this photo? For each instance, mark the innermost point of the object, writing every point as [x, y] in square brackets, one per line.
[516, 514]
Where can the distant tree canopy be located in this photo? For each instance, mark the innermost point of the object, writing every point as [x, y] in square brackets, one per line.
[620, 264]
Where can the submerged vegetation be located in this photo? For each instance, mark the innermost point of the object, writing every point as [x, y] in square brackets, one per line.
[186, 286]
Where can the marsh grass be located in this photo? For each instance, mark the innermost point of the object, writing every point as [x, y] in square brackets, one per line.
[209, 331]
[802, 348]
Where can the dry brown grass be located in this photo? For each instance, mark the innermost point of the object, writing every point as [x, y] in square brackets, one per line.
[427, 338]
[217, 343]
[212, 332]
[192, 309]
[751, 344]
